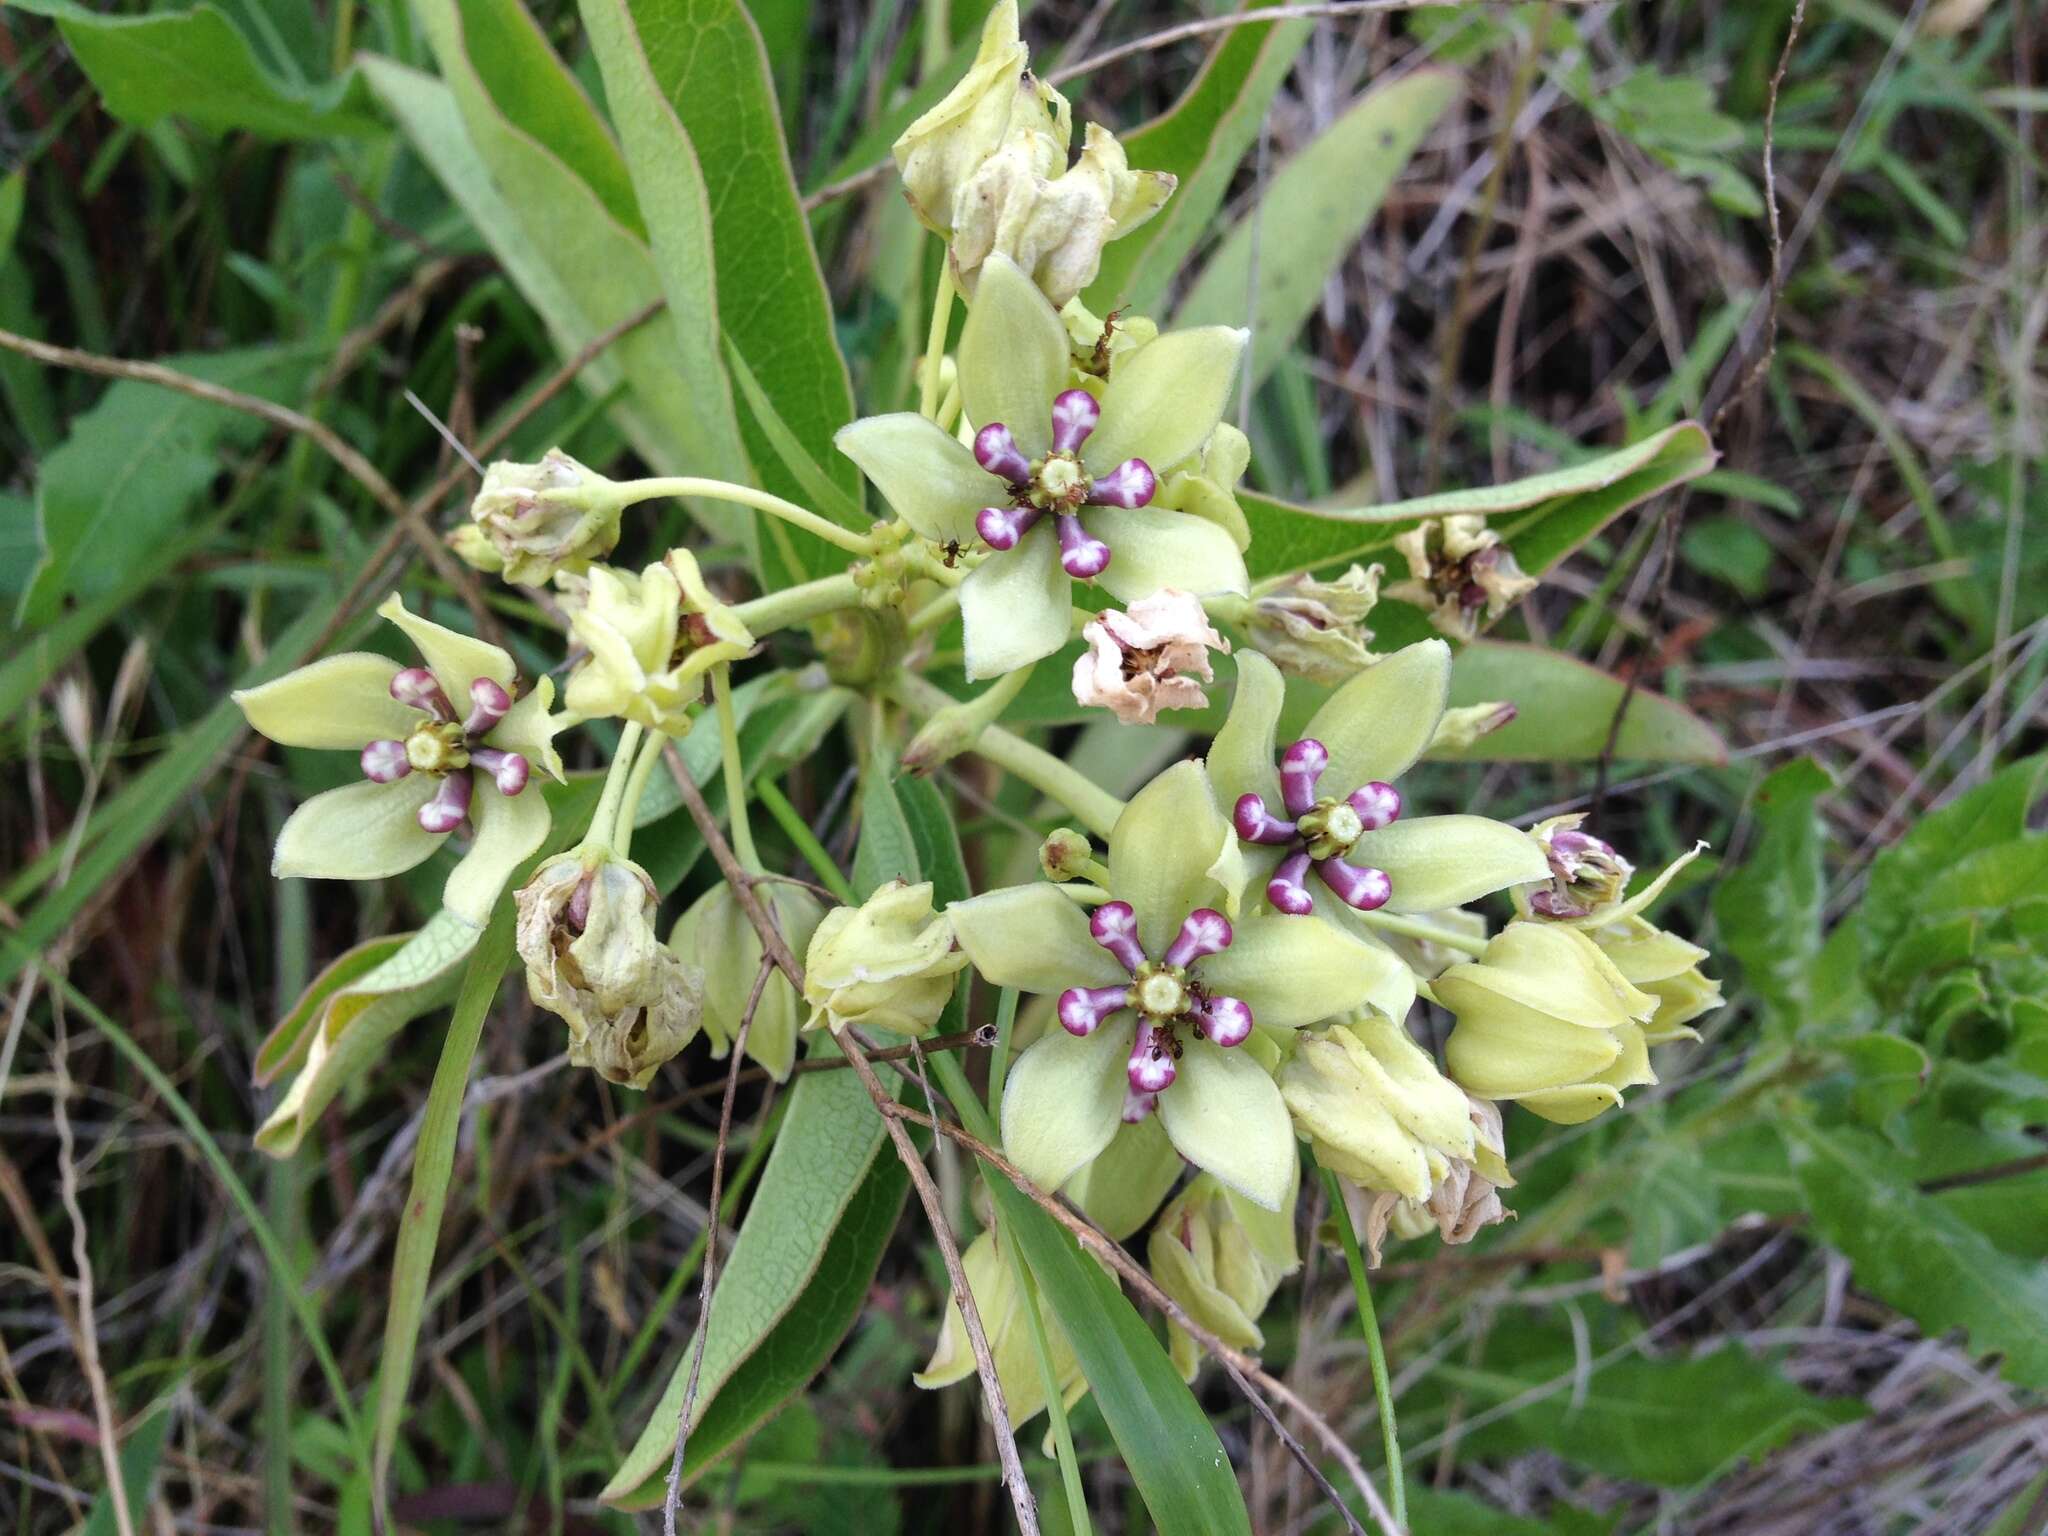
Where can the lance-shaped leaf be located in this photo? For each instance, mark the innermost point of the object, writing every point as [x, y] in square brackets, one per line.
[1566, 708]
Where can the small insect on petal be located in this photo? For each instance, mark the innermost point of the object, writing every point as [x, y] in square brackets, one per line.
[1074, 414]
[1082, 555]
[417, 688]
[508, 770]
[1001, 527]
[1114, 925]
[1378, 804]
[488, 704]
[1288, 889]
[1358, 886]
[1225, 1021]
[385, 762]
[1256, 824]
[1206, 932]
[996, 451]
[1152, 1068]
[444, 813]
[1301, 765]
[1082, 1009]
[1130, 484]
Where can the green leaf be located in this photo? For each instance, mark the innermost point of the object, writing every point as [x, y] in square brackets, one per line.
[1769, 910]
[1913, 1253]
[887, 849]
[196, 65]
[705, 61]
[140, 1454]
[818, 1219]
[1463, 1514]
[1166, 1440]
[1311, 215]
[1729, 548]
[1567, 709]
[1201, 139]
[103, 514]
[1543, 518]
[1668, 1422]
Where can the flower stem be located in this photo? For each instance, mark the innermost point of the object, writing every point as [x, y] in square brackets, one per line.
[1382, 1388]
[794, 605]
[805, 839]
[935, 341]
[735, 776]
[636, 786]
[604, 821]
[1429, 933]
[1095, 807]
[631, 491]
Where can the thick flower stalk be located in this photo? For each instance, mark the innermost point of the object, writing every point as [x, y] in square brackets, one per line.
[1153, 657]
[887, 964]
[1158, 990]
[441, 746]
[1058, 482]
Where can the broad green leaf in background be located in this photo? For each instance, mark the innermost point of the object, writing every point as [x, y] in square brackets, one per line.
[888, 850]
[1769, 909]
[1567, 709]
[1167, 1441]
[196, 65]
[1311, 213]
[104, 512]
[1543, 517]
[1201, 139]
[1910, 1251]
[141, 1451]
[815, 1181]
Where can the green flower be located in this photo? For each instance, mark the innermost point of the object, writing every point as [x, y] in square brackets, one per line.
[1375, 1107]
[530, 521]
[888, 963]
[422, 734]
[1463, 1199]
[1665, 966]
[1316, 629]
[651, 639]
[1366, 855]
[1221, 1257]
[936, 154]
[1058, 482]
[1008, 1331]
[1157, 989]
[716, 935]
[1546, 1019]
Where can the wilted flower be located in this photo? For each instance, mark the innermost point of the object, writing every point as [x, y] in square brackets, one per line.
[936, 154]
[888, 963]
[1221, 1257]
[1375, 1107]
[420, 758]
[1057, 480]
[1316, 629]
[1457, 568]
[1157, 989]
[1546, 1019]
[1008, 1331]
[716, 935]
[1665, 966]
[586, 932]
[1153, 657]
[1365, 735]
[1464, 1193]
[530, 521]
[1586, 874]
[651, 639]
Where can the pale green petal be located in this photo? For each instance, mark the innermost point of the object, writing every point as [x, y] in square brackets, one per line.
[1571, 1106]
[1501, 1049]
[1065, 1099]
[529, 729]
[1033, 938]
[1436, 862]
[1017, 606]
[341, 701]
[1241, 759]
[1428, 1104]
[1226, 1116]
[456, 660]
[361, 831]
[508, 830]
[1013, 356]
[1152, 549]
[928, 475]
[1556, 971]
[1295, 971]
[1121, 1189]
[1161, 852]
[1377, 724]
[1164, 399]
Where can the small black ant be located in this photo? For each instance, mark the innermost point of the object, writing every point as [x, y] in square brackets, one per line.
[952, 552]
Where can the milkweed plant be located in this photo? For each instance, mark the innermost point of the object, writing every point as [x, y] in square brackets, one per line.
[1199, 983]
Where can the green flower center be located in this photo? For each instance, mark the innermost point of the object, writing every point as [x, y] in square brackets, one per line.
[1160, 992]
[1330, 828]
[437, 747]
[1058, 482]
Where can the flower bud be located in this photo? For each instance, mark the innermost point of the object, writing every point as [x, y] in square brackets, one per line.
[1221, 1257]
[1463, 1199]
[1375, 1107]
[1153, 657]
[1546, 1019]
[586, 932]
[538, 519]
[1008, 1331]
[651, 639]
[1458, 570]
[1665, 966]
[887, 964]
[717, 936]
[1068, 855]
[1460, 728]
[1316, 629]
[936, 154]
